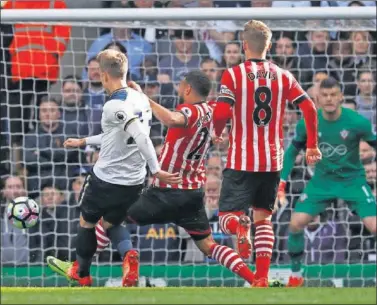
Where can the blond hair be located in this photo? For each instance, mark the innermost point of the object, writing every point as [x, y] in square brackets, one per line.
[113, 62]
[257, 35]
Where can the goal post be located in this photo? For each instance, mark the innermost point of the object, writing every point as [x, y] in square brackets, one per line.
[338, 253]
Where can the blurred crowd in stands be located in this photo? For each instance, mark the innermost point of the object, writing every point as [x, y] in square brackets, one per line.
[34, 123]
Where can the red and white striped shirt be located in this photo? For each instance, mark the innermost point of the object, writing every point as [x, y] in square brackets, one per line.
[185, 148]
[258, 91]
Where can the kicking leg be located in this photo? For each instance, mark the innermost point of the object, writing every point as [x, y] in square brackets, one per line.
[79, 270]
[86, 246]
[226, 257]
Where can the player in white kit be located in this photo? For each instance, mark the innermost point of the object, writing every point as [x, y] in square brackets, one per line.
[118, 176]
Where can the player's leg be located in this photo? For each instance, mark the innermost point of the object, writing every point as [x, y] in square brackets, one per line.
[234, 202]
[86, 244]
[311, 203]
[193, 218]
[119, 235]
[102, 240]
[226, 256]
[360, 198]
[262, 211]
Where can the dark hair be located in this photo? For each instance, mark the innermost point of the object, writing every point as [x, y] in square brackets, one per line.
[73, 79]
[199, 82]
[48, 98]
[329, 83]
[121, 47]
[183, 34]
[361, 72]
[208, 60]
[233, 42]
[94, 58]
[50, 184]
[360, 3]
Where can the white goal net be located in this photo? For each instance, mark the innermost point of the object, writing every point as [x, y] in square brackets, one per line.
[50, 90]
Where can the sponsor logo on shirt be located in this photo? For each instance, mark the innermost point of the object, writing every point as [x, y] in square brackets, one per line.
[328, 150]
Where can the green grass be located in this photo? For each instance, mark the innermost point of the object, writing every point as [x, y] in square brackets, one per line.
[188, 296]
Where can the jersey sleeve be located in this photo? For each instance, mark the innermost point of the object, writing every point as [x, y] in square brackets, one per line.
[118, 113]
[227, 89]
[367, 132]
[299, 141]
[190, 112]
[296, 94]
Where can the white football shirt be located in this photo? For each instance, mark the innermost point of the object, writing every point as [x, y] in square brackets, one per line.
[120, 161]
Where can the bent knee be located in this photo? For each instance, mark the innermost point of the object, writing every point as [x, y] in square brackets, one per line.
[371, 223]
[205, 245]
[299, 221]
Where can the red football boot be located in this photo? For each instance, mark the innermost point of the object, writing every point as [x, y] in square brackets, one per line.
[72, 274]
[130, 269]
[244, 245]
[295, 281]
[260, 283]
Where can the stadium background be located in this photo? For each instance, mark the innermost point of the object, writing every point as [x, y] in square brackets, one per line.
[339, 251]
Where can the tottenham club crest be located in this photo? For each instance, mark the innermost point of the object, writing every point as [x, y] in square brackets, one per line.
[344, 134]
[120, 116]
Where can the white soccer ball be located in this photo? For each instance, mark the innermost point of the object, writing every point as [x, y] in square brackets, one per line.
[23, 212]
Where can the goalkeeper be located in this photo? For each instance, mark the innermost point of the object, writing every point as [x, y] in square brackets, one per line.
[339, 174]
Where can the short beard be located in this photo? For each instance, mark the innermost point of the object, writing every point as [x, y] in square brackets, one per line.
[181, 100]
[96, 84]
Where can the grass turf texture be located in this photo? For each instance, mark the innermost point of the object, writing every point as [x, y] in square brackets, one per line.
[188, 295]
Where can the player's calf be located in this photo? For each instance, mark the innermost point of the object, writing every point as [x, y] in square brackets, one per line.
[229, 222]
[226, 257]
[244, 245]
[296, 246]
[102, 240]
[85, 249]
[263, 244]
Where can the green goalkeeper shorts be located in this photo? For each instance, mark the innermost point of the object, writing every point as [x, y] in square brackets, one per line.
[319, 194]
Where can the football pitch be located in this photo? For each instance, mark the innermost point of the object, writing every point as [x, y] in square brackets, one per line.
[188, 295]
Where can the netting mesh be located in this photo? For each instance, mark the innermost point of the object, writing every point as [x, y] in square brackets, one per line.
[58, 95]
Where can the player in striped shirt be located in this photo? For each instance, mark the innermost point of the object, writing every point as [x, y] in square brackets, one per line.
[253, 96]
[186, 145]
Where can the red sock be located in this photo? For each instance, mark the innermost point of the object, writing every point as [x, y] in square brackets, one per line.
[231, 260]
[263, 244]
[229, 222]
[102, 240]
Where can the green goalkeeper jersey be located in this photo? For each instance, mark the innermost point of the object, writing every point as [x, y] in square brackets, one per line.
[339, 143]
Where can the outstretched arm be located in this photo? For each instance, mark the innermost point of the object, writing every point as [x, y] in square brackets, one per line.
[368, 134]
[167, 117]
[93, 140]
[298, 97]
[144, 144]
[298, 143]
[290, 158]
[164, 115]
